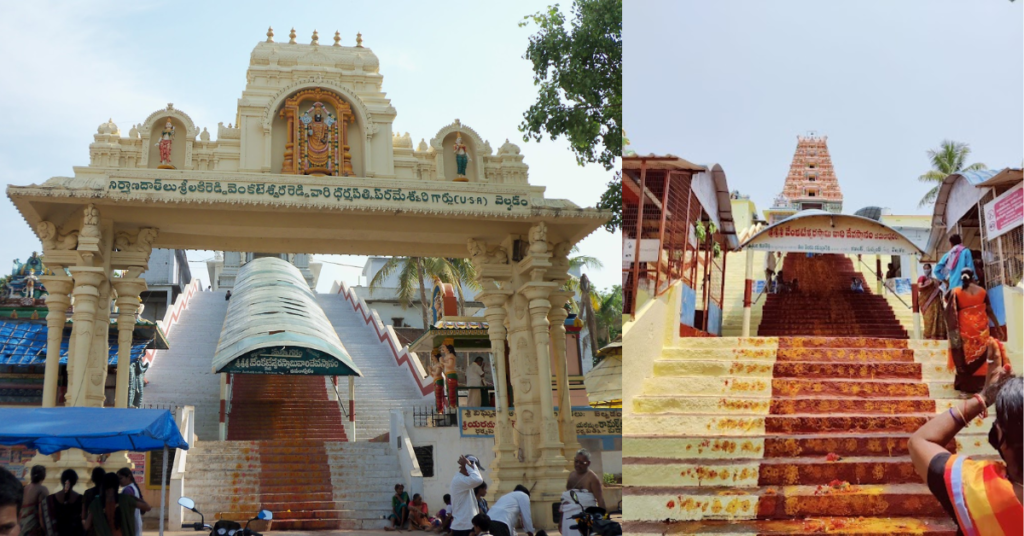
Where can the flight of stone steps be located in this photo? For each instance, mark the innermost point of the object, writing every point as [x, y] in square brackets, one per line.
[732, 301]
[824, 304]
[384, 385]
[182, 375]
[269, 407]
[794, 435]
[308, 485]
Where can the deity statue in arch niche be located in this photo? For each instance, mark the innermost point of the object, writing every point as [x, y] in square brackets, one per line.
[461, 159]
[166, 139]
[320, 140]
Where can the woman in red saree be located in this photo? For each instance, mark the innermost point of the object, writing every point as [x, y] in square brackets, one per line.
[982, 496]
[967, 317]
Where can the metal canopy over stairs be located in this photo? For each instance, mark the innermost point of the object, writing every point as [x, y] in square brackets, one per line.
[274, 325]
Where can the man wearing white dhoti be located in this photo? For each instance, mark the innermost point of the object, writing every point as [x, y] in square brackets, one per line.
[587, 486]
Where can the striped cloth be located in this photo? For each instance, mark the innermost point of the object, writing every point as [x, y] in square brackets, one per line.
[983, 498]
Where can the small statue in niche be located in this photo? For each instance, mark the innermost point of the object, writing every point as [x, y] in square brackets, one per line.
[166, 138]
[321, 140]
[461, 159]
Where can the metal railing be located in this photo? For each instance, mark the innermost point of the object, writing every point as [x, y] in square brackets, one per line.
[878, 276]
[343, 407]
[429, 417]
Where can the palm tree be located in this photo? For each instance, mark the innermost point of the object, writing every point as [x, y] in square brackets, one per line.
[579, 261]
[588, 304]
[414, 272]
[947, 160]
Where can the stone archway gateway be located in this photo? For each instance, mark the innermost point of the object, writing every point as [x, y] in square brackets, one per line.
[821, 232]
[229, 194]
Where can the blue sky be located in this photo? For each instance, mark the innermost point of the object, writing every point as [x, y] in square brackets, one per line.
[66, 67]
[734, 82]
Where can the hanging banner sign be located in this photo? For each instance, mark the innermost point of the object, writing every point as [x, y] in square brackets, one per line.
[832, 234]
[1004, 213]
[590, 422]
[139, 461]
[649, 249]
[288, 360]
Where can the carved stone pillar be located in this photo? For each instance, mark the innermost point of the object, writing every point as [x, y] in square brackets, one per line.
[504, 442]
[128, 290]
[566, 425]
[88, 281]
[57, 303]
[537, 293]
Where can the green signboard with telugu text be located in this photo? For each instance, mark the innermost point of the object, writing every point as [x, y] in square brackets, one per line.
[288, 360]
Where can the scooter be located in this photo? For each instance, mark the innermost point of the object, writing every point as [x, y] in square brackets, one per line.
[593, 520]
[222, 527]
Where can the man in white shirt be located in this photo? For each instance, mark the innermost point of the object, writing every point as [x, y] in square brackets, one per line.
[506, 512]
[463, 491]
[475, 379]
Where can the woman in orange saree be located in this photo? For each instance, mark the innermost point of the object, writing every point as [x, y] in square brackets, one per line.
[967, 317]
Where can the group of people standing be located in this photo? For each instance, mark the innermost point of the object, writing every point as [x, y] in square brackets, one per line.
[982, 496]
[774, 279]
[956, 307]
[446, 380]
[467, 513]
[112, 507]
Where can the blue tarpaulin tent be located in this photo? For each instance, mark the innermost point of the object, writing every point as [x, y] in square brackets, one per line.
[94, 430]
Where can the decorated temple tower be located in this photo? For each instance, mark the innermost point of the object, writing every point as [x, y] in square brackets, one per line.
[811, 182]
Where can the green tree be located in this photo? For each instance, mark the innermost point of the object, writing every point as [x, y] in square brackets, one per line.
[577, 69]
[609, 316]
[611, 200]
[949, 158]
[415, 272]
[601, 313]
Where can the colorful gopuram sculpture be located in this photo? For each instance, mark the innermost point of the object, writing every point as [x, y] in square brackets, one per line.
[23, 283]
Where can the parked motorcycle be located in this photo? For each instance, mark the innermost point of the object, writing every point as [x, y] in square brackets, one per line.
[223, 527]
[594, 521]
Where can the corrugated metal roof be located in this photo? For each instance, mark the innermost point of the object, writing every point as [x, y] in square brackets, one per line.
[24, 344]
[661, 162]
[272, 307]
[948, 211]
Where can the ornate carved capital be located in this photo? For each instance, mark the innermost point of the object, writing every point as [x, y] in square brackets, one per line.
[481, 254]
[539, 239]
[557, 314]
[91, 222]
[142, 242]
[52, 239]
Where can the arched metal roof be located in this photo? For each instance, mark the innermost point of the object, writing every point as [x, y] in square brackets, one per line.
[958, 194]
[274, 325]
[818, 231]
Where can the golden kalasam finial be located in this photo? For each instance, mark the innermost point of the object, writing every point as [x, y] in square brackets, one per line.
[316, 39]
[337, 39]
[270, 34]
[359, 40]
[291, 37]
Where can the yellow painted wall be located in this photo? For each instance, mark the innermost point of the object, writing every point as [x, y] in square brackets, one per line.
[656, 325]
[907, 220]
[1014, 301]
